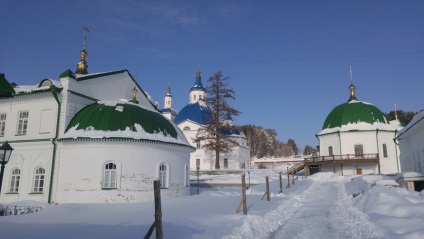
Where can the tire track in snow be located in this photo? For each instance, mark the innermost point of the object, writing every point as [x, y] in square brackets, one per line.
[323, 210]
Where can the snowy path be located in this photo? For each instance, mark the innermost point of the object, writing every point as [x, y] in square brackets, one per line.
[321, 210]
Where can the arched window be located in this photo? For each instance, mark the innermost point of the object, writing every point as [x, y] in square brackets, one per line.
[194, 97]
[385, 151]
[39, 180]
[14, 180]
[163, 176]
[186, 128]
[109, 176]
[330, 151]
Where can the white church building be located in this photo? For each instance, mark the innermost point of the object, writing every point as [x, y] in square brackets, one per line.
[89, 138]
[411, 145]
[194, 116]
[356, 138]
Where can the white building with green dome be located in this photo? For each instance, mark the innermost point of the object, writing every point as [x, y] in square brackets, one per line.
[356, 138]
[89, 138]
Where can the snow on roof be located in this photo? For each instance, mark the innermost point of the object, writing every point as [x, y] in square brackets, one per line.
[127, 133]
[37, 87]
[363, 126]
[415, 120]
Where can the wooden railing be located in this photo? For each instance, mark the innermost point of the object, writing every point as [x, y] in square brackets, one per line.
[343, 157]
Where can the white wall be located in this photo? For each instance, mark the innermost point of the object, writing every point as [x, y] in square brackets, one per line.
[81, 166]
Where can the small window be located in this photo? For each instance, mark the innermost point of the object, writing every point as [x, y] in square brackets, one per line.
[385, 150]
[359, 150]
[330, 151]
[197, 144]
[163, 176]
[2, 124]
[186, 128]
[197, 163]
[39, 180]
[194, 97]
[225, 163]
[14, 180]
[109, 176]
[22, 123]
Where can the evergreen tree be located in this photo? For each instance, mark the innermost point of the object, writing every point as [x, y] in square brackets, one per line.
[309, 150]
[404, 117]
[215, 133]
[293, 146]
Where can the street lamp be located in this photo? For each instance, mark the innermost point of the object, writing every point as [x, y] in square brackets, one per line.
[5, 152]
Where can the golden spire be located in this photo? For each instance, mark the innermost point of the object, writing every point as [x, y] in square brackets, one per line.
[198, 69]
[352, 88]
[82, 64]
[134, 94]
[168, 91]
[396, 115]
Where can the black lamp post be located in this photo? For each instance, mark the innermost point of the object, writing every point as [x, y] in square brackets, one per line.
[5, 152]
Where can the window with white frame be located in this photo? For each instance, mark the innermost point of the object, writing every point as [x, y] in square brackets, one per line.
[197, 163]
[330, 151]
[22, 122]
[197, 144]
[39, 180]
[163, 176]
[2, 124]
[14, 180]
[385, 151]
[109, 176]
[225, 163]
[359, 150]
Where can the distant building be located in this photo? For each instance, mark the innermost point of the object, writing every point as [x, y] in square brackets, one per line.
[356, 138]
[77, 141]
[411, 144]
[194, 116]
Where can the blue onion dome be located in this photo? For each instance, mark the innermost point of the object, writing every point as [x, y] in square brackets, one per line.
[197, 112]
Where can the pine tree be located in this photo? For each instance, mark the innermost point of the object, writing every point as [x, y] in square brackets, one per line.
[219, 127]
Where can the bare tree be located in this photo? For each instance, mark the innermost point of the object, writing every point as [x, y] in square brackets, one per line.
[219, 127]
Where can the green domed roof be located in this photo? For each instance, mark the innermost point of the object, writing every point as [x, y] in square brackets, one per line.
[354, 112]
[5, 88]
[122, 116]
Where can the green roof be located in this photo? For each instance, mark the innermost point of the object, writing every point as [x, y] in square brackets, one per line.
[354, 112]
[67, 73]
[5, 87]
[122, 116]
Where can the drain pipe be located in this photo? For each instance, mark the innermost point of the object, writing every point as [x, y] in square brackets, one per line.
[54, 91]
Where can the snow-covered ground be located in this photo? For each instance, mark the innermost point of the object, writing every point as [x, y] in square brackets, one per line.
[320, 206]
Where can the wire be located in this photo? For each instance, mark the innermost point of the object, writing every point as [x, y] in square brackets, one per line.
[231, 62]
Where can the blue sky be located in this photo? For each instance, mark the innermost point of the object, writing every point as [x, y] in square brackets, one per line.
[288, 61]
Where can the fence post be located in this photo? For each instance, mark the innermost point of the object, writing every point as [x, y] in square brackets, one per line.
[288, 178]
[267, 189]
[293, 177]
[243, 193]
[158, 213]
[158, 210]
[281, 184]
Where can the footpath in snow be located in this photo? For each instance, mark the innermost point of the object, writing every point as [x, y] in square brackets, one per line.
[320, 206]
[321, 210]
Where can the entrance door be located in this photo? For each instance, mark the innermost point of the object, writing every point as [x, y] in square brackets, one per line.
[359, 171]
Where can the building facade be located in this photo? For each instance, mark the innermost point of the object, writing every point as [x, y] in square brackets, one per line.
[76, 141]
[356, 138]
[195, 116]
